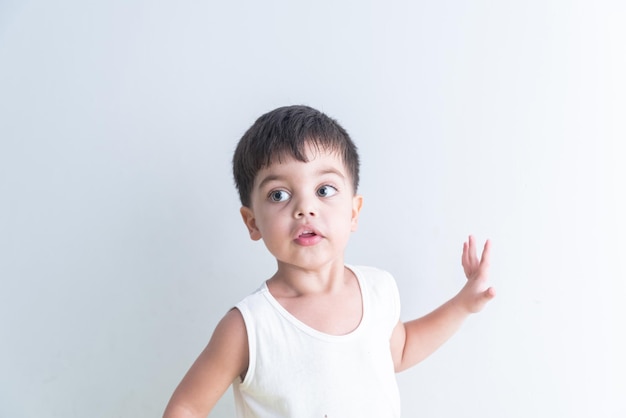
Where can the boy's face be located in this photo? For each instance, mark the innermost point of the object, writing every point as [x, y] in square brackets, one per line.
[304, 211]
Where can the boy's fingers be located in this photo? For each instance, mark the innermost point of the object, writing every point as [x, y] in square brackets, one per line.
[484, 258]
[469, 259]
[472, 252]
[464, 255]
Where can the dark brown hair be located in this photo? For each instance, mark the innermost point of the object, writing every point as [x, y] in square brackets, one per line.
[287, 131]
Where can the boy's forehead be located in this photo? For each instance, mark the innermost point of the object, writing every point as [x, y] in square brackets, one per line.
[318, 161]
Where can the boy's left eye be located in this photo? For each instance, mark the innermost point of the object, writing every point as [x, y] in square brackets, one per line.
[326, 191]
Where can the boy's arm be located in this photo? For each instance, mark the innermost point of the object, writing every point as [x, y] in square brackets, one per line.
[223, 359]
[413, 341]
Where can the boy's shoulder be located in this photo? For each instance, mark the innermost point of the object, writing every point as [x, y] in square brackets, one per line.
[370, 273]
[377, 282]
[367, 269]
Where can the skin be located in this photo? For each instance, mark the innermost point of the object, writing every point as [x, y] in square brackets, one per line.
[305, 213]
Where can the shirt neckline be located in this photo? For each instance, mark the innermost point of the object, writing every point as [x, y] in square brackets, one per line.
[319, 334]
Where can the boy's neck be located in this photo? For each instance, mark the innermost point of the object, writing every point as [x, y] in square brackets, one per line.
[292, 281]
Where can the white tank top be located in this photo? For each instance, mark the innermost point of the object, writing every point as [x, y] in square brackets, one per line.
[296, 371]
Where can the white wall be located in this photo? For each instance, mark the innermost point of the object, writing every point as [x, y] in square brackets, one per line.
[120, 240]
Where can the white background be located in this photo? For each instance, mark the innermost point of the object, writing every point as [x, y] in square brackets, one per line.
[121, 244]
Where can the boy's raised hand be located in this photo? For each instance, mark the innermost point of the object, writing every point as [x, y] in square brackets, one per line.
[476, 292]
[413, 341]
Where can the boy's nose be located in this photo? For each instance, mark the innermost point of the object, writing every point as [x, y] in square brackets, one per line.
[305, 207]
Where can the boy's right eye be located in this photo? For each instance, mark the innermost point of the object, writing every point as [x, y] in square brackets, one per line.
[279, 196]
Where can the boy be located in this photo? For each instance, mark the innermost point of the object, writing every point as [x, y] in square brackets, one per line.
[319, 338]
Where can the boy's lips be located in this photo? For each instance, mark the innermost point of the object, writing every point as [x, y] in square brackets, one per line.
[307, 236]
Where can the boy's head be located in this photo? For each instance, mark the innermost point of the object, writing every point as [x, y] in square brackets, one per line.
[287, 132]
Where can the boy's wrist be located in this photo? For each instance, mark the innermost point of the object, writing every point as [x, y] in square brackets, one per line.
[457, 304]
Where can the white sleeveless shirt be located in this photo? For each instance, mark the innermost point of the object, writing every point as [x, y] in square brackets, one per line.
[296, 371]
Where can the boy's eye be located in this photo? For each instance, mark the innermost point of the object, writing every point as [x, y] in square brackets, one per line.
[326, 191]
[279, 196]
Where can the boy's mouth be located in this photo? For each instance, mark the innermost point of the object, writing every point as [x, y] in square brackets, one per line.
[307, 237]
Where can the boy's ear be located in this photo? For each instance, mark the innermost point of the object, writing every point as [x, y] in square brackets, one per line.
[250, 221]
[357, 204]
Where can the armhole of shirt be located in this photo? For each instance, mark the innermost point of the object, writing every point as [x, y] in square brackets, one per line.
[391, 291]
[395, 295]
[385, 286]
[248, 321]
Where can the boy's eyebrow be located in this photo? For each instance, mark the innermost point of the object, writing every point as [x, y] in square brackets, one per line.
[331, 171]
[274, 177]
[271, 177]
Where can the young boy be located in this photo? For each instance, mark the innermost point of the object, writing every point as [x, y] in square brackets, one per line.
[319, 338]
